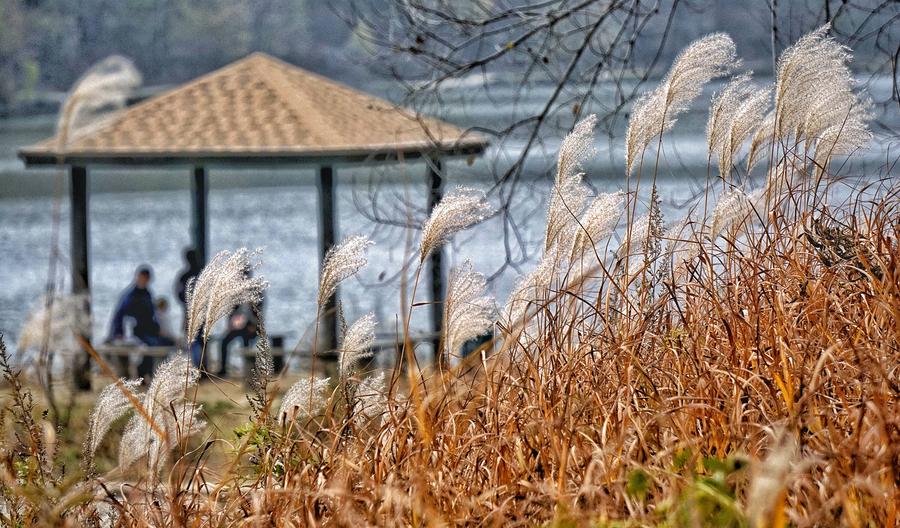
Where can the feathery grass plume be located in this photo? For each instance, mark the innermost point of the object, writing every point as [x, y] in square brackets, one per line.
[165, 403]
[748, 117]
[461, 209]
[527, 291]
[723, 107]
[371, 399]
[568, 194]
[106, 85]
[55, 321]
[848, 135]
[815, 98]
[295, 403]
[732, 207]
[761, 140]
[112, 403]
[357, 344]
[654, 113]
[599, 221]
[224, 283]
[811, 68]
[468, 312]
[341, 262]
[768, 482]
[735, 112]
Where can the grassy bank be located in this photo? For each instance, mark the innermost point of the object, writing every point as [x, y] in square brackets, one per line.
[735, 367]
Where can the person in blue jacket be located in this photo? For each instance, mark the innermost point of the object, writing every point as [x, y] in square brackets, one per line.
[136, 305]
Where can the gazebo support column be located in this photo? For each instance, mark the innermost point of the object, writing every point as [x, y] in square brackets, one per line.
[436, 192]
[79, 240]
[199, 217]
[327, 229]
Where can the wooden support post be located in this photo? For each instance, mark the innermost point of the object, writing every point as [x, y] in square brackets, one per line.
[79, 257]
[327, 227]
[199, 218]
[435, 261]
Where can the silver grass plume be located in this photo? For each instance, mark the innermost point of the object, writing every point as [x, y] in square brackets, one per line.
[770, 476]
[761, 140]
[55, 321]
[370, 399]
[105, 85]
[527, 291]
[224, 283]
[112, 403]
[458, 210]
[732, 207]
[357, 344]
[468, 312]
[341, 262]
[735, 113]
[568, 194]
[598, 222]
[175, 417]
[296, 403]
[657, 111]
[815, 98]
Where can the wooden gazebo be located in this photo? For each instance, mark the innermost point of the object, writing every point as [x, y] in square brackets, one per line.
[258, 111]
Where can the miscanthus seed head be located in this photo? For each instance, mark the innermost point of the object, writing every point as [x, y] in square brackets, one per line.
[460, 209]
[732, 207]
[599, 221]
[657, 111]
[735, 113]
[769, 478]
[296, 403]
[54, 322]
[224, 283]
[468, 312]
[371, 399]
[105, 85]
[112, 403]
[568, 194]
[341, 262]
[174, 417]
[357, 344]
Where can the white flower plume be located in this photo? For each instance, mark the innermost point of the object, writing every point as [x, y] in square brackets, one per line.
[113, 402]
[225, 282]
[341, 262]
[599, 221]
[296, 403]
[461, 209]
[105, 85]
[568, 194]
[657, 111]
[468, 312]
[357, 344]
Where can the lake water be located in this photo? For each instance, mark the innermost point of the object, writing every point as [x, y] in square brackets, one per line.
[276, 210]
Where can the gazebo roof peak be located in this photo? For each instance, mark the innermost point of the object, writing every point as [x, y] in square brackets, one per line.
[257, 108]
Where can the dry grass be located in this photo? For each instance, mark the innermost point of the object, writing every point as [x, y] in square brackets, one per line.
[737, 370]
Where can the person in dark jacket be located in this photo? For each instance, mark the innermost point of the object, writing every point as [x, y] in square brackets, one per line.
[136, 306]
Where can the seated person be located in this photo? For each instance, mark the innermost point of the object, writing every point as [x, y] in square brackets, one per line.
[136, 304]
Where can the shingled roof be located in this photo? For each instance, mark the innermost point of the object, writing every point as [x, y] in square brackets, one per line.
[258, 108]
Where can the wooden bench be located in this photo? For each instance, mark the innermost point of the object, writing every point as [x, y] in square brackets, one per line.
[118, 357]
